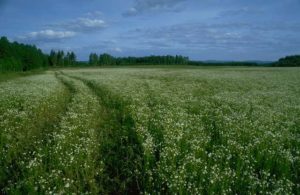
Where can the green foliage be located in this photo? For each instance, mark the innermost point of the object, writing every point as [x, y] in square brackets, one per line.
[154, 60]
[288, 61]
[203, 63]
[107, 59]
[16, 57]
[59, 59]
[93, 59]
[20, 57]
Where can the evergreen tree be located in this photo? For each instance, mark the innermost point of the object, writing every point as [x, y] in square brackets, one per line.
[72, 58]
[53, 58]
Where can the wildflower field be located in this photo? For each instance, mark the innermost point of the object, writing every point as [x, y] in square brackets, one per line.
[154, 130]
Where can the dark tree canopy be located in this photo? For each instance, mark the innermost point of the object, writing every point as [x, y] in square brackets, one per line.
[107, 59]
[20, 57]
[289, 61]
[60, 59]
[93, 59]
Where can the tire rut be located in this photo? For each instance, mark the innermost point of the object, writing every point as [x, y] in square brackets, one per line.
[70, 158]
[121, 150]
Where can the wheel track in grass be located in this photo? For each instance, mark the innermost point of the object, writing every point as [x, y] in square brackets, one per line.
[121, 150]
[68, 162]
[15, 170]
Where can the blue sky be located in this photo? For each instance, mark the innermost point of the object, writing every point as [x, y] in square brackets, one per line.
[200, 29]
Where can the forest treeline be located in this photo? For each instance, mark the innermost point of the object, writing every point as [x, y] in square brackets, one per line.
[234, 63]
[107, 59]
[15, 57]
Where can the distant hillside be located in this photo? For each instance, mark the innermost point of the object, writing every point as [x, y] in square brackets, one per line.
[229, 63]
[246, 61]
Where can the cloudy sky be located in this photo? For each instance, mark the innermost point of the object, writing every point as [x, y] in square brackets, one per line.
[200, 29]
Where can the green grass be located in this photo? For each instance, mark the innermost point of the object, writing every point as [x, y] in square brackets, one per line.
[13, 75]
[160, 129]
[7, 76]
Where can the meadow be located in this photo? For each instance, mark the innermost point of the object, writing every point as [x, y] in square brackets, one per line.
[151, 130]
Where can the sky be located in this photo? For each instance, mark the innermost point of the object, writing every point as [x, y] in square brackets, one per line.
[201, 29]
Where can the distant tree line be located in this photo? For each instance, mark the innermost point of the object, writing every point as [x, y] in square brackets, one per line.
[107, 59]
[288, 61]
[208, 63]
[16, 56]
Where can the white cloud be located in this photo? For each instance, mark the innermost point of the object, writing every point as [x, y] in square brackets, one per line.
[84, 24]
[94, 14]
[117, 49]
[66, 29]
[91, 23]
[141, 6]
[48, 35]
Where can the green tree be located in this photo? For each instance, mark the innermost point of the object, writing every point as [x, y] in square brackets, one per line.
[106, 59]
[288, 61]
[93, 59]
[72, 58]
[53, 58]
